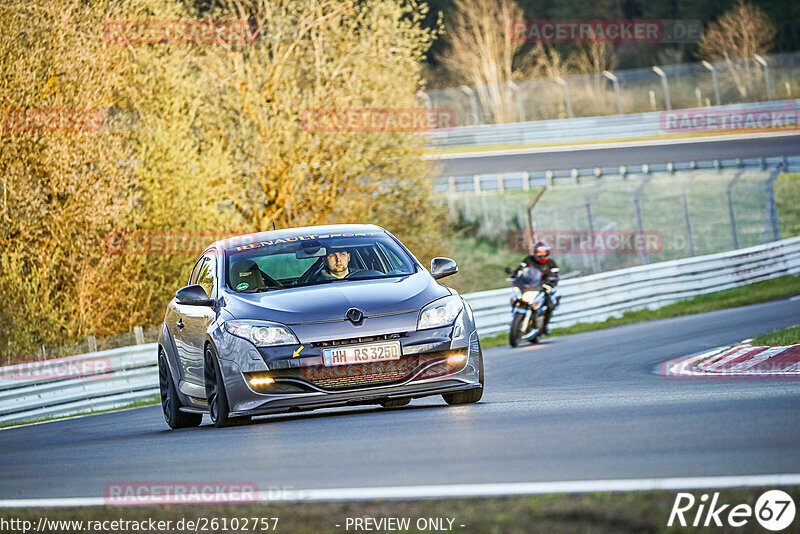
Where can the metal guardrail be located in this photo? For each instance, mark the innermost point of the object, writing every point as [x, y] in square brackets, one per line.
[578, 129]
[130, 374]
[499, 182]
[122, 376]
[600, 296]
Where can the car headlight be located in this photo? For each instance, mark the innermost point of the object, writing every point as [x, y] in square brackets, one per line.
[440, 312]
[262, 333]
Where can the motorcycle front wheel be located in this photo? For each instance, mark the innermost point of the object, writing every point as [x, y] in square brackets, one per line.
[515, 333]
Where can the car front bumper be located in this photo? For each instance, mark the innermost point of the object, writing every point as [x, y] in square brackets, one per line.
[304, 383]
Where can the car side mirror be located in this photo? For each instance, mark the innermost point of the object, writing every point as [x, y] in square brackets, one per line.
[441, 267]
[193, 295]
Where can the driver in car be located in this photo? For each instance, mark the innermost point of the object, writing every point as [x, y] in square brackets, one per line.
[336, 266]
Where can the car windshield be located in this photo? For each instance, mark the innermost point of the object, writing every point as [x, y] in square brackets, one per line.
[315, 259]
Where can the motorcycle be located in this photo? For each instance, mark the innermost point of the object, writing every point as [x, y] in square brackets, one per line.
[528, 305]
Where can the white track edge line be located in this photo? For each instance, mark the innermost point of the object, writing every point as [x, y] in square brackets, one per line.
[466, 490]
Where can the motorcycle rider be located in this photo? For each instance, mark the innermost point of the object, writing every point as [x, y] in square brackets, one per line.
[541, 260]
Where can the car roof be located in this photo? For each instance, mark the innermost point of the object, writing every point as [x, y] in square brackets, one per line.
[236, 241]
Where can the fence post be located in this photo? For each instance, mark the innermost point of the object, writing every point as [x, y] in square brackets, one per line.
[451, 194]
[729, 194]
[687, 219]
[771, 217]
[637, 202]
[567, 100]
[520, 107]
[485, 210]
[589, 219]
[665, 85]
[501, 186]
[92, 343]
[714, 81]
[531, 205]
[139, 333]
[767, 80]
[617, 95]
[473, 103]
[526, 184]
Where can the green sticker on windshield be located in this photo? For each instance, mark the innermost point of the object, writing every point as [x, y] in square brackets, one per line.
[242, 286]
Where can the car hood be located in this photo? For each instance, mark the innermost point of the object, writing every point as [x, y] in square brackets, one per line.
[330, 302]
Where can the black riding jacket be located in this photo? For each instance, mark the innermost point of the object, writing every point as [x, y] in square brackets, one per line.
[549, 270]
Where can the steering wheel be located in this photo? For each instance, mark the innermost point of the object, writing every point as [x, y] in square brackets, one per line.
[312, 271]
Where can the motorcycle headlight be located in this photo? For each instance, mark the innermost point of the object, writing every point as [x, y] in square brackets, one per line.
[516, 292]
[533, 298]
[440, 312]
[262, 333]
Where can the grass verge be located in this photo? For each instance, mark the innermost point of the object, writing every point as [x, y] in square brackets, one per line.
[784, 336]
[621, 513]
[783, 286]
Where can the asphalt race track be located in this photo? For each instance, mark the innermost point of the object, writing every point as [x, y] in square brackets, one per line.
[652, 152]
[582, 407]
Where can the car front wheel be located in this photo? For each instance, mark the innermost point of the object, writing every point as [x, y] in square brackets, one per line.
[170, 404]
[218, 407]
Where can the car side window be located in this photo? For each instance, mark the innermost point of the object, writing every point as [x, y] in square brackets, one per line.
[195, 270]
[207, 276]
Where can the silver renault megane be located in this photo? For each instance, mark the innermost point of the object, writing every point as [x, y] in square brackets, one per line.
[314, 317]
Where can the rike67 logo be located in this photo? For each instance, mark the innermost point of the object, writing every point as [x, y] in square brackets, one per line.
[774, 510]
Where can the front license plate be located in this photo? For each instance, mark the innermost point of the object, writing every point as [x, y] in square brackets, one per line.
[366, 353]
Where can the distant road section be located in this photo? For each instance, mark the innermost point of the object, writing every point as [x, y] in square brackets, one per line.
[623, 153]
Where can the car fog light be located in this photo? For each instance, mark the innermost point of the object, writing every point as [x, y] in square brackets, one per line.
[458, 358]
[261, 381]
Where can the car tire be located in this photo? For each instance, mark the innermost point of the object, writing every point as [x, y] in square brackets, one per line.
[469, 396]
[395, 403]
[170, 404]
[218, 407]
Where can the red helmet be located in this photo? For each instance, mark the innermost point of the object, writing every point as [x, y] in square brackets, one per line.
[541, 252]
